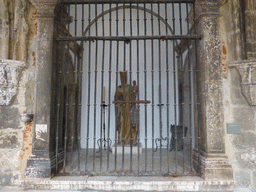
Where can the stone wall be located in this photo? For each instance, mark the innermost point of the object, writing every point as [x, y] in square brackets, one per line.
[18, 30]
[241, 148]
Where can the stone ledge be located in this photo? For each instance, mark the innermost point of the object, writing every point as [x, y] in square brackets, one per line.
[187, 183]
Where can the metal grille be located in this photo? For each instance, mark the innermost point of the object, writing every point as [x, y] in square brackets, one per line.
[99, 129]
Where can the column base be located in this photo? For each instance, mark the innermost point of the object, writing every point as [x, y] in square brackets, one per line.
[38, 168]
[212, 166]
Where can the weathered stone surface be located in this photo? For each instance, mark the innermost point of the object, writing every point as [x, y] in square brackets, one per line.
[247, 71]
[209, 49]
[4, 30]
[9, 162]
[243, 140]
[38, 168]
[240, 146]
[11, 118]
[38, 165]
[9, 78]
[247, 159]
[9, 138]
[26, 147]
[236, 97]
[130, 184]
[254, 180]
[245, 116]
[212, 166]
[243, 177]
[211, 160]
[5, 178]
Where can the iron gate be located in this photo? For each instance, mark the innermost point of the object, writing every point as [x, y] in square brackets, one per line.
[125, 99]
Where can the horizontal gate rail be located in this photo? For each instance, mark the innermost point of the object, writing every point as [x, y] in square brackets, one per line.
[123, 1]
[128, 39]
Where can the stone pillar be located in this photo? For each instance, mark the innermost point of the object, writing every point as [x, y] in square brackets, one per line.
[212, 161]
[39, 163]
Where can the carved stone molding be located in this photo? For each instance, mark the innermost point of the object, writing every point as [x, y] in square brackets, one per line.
[207, 7]
[247, 71]
[212, 166]
[9, 78]
[45, 8]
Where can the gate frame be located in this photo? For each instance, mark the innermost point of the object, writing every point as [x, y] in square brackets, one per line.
[210, 160]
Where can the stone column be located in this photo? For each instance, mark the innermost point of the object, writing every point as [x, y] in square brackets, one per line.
[212, 161]
[39, 164]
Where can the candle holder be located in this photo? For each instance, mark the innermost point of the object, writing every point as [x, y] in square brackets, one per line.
[103, 141]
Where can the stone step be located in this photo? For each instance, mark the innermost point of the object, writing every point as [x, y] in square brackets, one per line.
[128, 183]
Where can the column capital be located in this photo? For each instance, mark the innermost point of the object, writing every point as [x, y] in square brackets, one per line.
[211, 2]
[208, 7]
[45, 8]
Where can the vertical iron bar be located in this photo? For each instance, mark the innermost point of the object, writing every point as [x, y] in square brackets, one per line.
[160, 88]
[167, 89]
[60, 75]
[102, 84]
[58, 111]
[124, 105]
[182, 99]
[153, 95]
[79, 80]
[89, 91]
[117, 69]
[131, 139]
[145, 81]
[73, 97]
[175, 87]
[190, 90]
[109, 83]
[197, 95]
[67, 104]
[138, 81]
[124, 33]
[95, 87]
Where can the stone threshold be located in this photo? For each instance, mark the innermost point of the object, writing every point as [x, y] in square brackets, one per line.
[128, 183]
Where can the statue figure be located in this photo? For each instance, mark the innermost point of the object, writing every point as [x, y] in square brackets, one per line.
[125, 96]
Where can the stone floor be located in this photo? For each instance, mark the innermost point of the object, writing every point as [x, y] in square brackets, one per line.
[148, 162]
[19, 189]
[123, 184]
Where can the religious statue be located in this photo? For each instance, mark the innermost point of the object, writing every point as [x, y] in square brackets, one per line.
[127, 114]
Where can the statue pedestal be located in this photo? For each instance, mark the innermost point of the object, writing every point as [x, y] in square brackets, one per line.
[118, 149]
